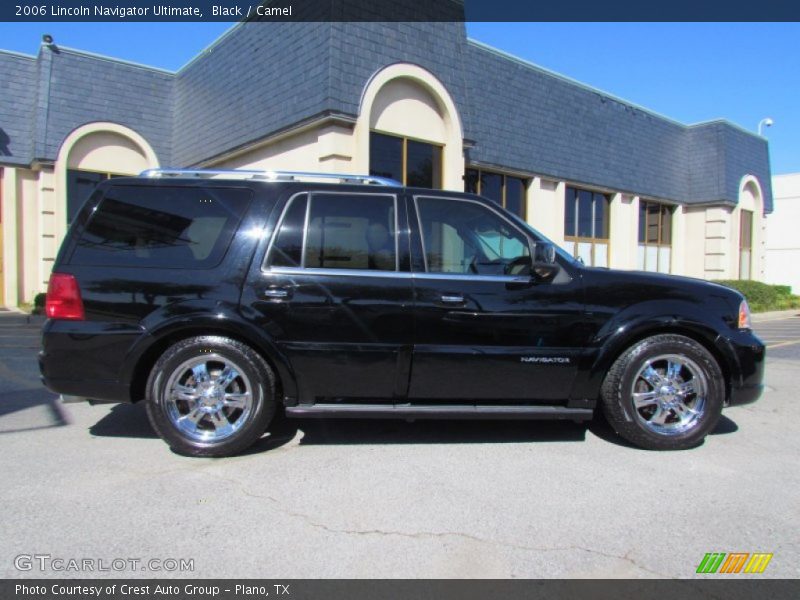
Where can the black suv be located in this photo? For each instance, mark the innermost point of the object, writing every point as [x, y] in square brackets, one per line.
[222, 297]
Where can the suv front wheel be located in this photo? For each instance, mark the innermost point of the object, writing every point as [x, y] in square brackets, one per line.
[210, 396]
[664, 393]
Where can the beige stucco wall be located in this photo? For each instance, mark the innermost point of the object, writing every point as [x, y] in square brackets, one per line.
[35, 202]
[545, 207]
[782, 247]
[623, 231]
[298, 152]
[9, 217]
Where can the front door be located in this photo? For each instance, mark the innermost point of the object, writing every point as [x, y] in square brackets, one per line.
[333, 297]
[485, 330]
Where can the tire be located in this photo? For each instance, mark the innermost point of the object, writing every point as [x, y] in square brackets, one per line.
[210, 396]
[664, 393]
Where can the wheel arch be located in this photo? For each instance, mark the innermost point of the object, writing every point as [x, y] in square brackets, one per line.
[145, 356]
[701, 333]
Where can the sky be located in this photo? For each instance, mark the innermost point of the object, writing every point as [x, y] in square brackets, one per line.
[689, 72]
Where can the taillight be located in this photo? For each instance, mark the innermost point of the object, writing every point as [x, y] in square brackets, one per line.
[744, 316]
[64, 298]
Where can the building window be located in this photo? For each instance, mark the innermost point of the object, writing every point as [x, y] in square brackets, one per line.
[505, 190]
[745, 244]
[411, 162]
[586, 226]
[655, 236]
[80, 185]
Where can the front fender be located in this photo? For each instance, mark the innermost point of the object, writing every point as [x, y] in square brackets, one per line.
[643, 320]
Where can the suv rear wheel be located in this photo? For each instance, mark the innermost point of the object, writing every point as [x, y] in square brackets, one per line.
[210, 396]
[664, 393]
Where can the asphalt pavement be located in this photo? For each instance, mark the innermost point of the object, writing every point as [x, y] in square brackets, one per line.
[436, 499]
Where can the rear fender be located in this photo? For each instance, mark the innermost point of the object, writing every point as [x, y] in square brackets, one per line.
[197, 318]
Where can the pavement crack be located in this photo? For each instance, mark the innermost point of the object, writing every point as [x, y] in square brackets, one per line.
[421, 535]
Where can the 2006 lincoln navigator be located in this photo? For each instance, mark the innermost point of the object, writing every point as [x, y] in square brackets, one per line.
[221, 297]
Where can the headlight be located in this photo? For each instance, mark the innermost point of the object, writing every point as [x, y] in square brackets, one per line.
[744, 316]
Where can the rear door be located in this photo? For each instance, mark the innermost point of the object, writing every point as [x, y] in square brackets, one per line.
[334, 293]
[485, 330]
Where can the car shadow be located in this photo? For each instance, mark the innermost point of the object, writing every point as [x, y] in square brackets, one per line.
[130, 420]
[20, 400]
[124, 420]
[600, 427]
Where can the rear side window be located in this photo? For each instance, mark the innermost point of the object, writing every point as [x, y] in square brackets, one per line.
[164, 227]
[344, 232]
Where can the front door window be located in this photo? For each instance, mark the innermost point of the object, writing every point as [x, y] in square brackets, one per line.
[467, 237]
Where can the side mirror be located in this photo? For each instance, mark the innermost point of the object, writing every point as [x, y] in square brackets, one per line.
[544, 252]
[544, 267]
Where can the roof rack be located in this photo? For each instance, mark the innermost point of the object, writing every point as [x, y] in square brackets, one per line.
[270, 175]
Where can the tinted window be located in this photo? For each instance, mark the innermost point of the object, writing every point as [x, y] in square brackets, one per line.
[515, 196]
[80, 185]
[351, 232]
[386, 156]
[466, 237]
[171, 227]
[492, 187]
[288, 248]
[423, 165]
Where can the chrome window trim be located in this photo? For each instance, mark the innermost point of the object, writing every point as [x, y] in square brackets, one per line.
[267, 268]
[396, 274]
[452, 199]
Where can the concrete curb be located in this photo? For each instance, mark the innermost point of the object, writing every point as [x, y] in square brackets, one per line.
[775, 315]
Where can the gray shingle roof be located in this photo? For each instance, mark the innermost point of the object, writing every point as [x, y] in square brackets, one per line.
[262, 78]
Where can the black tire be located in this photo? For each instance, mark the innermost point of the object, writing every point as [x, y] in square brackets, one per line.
[638, 426]
[229, 428]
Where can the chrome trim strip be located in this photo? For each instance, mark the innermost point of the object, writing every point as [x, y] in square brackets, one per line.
[271, 175]
[395, 274]
[304, 247]
[265, 262]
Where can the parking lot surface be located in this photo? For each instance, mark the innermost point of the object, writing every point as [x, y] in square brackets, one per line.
[394, 499]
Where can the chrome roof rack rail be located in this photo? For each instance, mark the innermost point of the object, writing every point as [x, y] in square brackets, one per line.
[270, 175]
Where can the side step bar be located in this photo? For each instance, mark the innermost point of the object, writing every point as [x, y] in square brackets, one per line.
[428, 411]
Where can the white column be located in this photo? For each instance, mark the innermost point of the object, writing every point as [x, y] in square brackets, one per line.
[718, 233]
[679, 255]
[9, 209]
[545, 208]
[623, 231]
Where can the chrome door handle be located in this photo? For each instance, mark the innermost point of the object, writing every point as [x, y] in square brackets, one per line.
[452, 299]
[276, 293]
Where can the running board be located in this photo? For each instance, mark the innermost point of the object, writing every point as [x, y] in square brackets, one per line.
[427, 411]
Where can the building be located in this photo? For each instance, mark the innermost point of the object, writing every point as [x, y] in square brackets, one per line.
[616, 184]
[782, 264]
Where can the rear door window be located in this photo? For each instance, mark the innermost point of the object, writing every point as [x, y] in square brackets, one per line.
[345, 231]
[163, 227]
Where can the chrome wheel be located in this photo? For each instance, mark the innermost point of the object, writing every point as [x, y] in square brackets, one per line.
[669, 394]
[208, 398]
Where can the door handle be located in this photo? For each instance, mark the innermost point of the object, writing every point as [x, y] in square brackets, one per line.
[277, 293]
[452, 298]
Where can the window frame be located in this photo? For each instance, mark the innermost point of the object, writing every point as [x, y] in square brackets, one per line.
[266, 265]
[593, 241]
[84, 225]
[465, 276]
[525, 180]
[663, 208]
[404, 154]
[109, 175]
